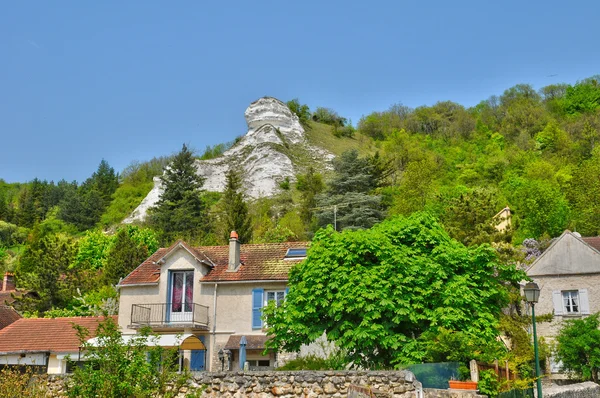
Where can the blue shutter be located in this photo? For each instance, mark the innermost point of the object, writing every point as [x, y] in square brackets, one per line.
[287, 290]
[257, 304]
[198, 358]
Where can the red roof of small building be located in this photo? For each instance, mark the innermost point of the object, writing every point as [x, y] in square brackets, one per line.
[46, 334]
[593, 241]
[8, 315]
[263, 261]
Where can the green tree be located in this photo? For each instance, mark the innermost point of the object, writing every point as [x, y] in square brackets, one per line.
[309, 185]
[349, 202]
[124, 256]
[181, 210]
[44, 269]
[234, 209]
[116, 368]
[375, 292]
[468, 218]
[300, 110]
[105, 180]
[579, 347]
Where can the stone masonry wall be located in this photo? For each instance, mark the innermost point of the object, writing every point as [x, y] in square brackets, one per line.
[296, 384]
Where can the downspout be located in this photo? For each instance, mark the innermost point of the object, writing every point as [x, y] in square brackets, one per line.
[214, 328]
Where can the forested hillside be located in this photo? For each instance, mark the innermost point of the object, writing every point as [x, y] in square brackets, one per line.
[532, 150]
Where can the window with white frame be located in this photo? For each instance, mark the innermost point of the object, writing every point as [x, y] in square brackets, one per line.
[274, 295]
[571, 301]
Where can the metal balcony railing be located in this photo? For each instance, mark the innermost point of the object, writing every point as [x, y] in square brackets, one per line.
[167, 314]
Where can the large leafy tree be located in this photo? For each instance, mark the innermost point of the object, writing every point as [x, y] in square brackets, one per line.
[579, 347]
[234, 208]
[376, 292]
[181, 210]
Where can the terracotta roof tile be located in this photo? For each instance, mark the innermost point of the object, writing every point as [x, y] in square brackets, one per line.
[8, 315]
[45, 334]
[254, 342]
[593, 241]
[263, 261]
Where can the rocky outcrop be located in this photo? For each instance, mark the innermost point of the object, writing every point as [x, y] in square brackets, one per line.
[273, 149]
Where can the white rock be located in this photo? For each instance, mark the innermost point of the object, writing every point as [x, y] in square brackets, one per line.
[260, 154]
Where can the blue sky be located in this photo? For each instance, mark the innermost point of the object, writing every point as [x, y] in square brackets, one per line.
[124, 81]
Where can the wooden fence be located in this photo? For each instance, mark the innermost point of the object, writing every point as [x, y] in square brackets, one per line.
[502, 370]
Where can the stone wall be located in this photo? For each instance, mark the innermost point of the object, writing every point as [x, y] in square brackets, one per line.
[300, 384]
[306, 384]
[579, 390]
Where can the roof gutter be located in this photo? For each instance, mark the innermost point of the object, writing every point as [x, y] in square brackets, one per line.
[137, 284]
[246, 281]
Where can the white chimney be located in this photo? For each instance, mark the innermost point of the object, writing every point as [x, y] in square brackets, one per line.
[234, 252]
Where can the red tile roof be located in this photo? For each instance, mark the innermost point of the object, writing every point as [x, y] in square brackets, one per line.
[8, 315]
[593, 241]
[45, 334]
[264, 261]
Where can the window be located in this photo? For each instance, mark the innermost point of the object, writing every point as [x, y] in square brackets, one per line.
[277, 296]
[259, 362]
[296, 253]
[260, 298]
[571, 302]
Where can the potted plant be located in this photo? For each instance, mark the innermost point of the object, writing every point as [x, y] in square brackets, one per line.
[464, 380]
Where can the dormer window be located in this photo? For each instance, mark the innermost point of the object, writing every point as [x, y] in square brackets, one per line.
[295, 254]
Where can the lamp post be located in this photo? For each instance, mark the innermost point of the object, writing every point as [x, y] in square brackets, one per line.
[532, 295]
[222, 359]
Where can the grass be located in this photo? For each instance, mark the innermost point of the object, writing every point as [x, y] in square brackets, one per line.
[321, 135]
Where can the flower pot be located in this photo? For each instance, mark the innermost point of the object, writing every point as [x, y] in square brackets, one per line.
[462, 385]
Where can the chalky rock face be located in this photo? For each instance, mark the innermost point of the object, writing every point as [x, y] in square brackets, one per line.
[271, 111]
[260, 155]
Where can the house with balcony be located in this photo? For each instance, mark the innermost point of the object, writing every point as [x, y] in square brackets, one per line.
[211, 298]
[568, 274]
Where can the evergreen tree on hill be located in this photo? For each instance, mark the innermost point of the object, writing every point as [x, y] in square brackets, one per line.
[349, 202]
[181, 210]
[124, 257]
[236, 217]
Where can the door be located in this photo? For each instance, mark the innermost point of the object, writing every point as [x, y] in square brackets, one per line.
[182, 296]
[198, 358]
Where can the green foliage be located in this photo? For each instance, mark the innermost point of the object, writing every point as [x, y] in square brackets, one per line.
[116, 368]
[300, 110]
[124, 256]
[488, 383]
[348, 202]
[234, 209]
[579, 347]
[468, 218]
[217, 150]
[309, 185]
[377, 291]
[21, 383]
[104, 301]
[11, 234]
[44, 269]
[582, 97]
[336, 360]
[181, 210]
[125, 199]
[92, 249]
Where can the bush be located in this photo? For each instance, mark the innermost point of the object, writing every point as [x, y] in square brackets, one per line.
[488, 383]
[18, 382]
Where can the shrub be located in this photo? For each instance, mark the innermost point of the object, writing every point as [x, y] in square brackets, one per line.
[16, 382]
[488, 383]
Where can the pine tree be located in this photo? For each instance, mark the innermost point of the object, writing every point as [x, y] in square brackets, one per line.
[181, 210]
[124, 257]
[310, 185]
[105, 180]
[236, 217]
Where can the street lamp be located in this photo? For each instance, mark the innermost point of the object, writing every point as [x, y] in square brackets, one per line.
[222, 359]
[532, 295]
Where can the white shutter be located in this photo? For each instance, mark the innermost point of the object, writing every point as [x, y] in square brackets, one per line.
[584, 303]
[557, 300]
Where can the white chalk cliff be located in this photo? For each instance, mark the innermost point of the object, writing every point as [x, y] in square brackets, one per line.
[267, 154]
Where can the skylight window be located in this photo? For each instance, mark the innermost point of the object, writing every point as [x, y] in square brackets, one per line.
[296, 253]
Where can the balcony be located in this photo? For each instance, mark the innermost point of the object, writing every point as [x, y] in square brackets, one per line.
[169, 316]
